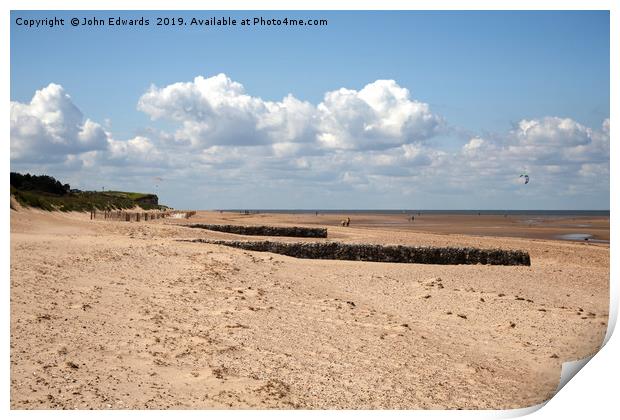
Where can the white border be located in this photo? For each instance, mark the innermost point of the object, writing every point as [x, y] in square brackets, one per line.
[590, 395]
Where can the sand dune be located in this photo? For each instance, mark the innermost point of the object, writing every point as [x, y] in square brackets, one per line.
[110, 315]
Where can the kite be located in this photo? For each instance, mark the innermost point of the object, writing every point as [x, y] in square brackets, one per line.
[526, 177]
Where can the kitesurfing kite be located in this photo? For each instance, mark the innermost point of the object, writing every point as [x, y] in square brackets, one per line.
[526, 177]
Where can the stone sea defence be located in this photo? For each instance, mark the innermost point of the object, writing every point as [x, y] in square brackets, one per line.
[295, 231]
[382, 253]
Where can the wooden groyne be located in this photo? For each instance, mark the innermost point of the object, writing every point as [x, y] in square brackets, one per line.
[382, 253]
[139, 216]
[293, 231]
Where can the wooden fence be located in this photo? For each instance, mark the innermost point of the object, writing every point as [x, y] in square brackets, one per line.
[139, 216]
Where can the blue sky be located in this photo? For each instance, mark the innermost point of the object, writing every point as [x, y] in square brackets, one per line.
[488, 96]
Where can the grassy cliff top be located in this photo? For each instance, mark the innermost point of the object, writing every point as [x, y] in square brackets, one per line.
[129, 195]
[85, 200]
[47, 193]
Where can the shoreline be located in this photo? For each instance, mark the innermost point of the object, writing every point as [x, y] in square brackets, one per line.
[496, 212]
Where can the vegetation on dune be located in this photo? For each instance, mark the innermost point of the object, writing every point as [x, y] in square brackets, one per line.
[49, 194]
[31, 199]
[41, 183]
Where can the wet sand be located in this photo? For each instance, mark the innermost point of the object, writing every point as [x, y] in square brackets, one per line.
[521, 226]
[110, 315]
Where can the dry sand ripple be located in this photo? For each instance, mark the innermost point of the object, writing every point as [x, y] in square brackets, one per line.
[110, 315]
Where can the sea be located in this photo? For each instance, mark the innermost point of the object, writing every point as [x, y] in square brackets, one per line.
[541, 213]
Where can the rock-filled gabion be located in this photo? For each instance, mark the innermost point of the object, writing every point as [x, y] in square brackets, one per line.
[295, 231]
[382, 253]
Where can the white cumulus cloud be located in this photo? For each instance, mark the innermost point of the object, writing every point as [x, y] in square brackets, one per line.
[217, 111]
[379, 116]
[559, 153]
[372, 140]
[51, 126]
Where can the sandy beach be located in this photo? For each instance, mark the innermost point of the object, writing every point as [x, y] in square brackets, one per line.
[123, 315]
